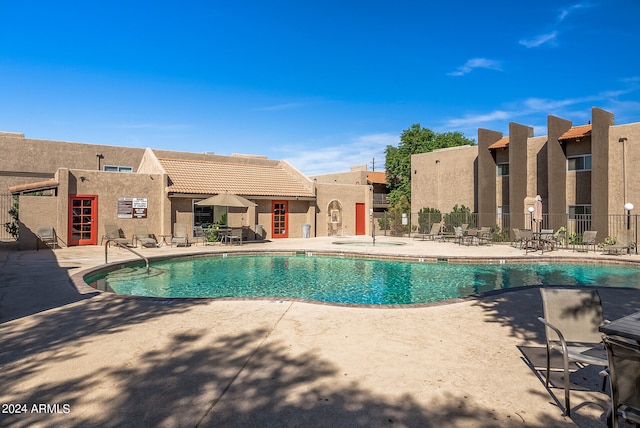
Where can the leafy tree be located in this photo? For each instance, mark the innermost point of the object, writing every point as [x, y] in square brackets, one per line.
[12, 226]
[414, 140]
[395, 216]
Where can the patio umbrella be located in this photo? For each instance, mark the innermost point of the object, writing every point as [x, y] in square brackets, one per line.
[226, 200]
[537, 211]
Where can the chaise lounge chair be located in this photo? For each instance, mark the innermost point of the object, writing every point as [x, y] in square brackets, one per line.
[179, 235]
[112, 234]
[624, 244]
[141, 234]
[47, 235]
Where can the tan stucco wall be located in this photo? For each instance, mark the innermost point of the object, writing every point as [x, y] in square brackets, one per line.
[351, 177]
[26, 160]
[348, 196]
[109, 186]
[443, 178]
[37, 211]
[619, 169]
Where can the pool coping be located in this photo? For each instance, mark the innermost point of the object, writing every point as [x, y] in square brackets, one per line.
[78, 279]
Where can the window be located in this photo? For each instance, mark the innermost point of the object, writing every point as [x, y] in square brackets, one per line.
[579, 212]
[116, 168]
[503, 169]
[579, 163]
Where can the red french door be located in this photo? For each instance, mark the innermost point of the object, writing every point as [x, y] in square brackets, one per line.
[83, 220]
[280, 222]
[361, 223]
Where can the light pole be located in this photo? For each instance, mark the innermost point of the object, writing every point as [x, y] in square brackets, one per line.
[628, 206]
[531, 209]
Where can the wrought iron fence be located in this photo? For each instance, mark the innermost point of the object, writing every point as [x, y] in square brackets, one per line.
[6, 203]
[572, 226]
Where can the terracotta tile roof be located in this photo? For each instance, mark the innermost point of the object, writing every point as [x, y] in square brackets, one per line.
[502, 143]
[245, 179]
[33, 187]
[377, 177]
[576, 132]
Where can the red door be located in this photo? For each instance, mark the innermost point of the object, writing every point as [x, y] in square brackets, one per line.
[83, 220]
[280, 215]
[361, 225]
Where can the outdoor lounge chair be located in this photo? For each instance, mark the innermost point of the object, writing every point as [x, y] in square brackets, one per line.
[141, 234]
[47, 235]
[571, 319]
[588, 240]
[435, 232]
[624, 373]
[517, 239]
[624, 244]
[179, 235]
[112, 234]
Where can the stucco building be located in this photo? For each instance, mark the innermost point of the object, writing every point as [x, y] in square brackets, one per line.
[78, 188]
[584, 174]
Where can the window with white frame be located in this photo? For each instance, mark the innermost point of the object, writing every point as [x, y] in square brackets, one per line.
[579, 212]
[502, 169]
[579, 163]
[117, 168]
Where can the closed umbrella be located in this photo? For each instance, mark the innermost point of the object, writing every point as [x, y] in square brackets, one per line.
[537, 211]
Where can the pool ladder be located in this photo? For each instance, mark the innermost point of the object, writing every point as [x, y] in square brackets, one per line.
[106, 247]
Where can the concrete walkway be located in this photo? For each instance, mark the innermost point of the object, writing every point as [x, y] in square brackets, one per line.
[86, 358]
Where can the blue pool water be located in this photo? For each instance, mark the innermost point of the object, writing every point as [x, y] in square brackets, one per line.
[348, 280]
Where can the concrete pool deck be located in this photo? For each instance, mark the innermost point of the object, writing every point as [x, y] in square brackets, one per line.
[98, 359]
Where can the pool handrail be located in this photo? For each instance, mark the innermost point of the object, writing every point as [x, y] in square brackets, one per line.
[121, 245]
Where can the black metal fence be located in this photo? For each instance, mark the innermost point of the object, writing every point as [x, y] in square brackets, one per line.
[6, 203]
[573, 226]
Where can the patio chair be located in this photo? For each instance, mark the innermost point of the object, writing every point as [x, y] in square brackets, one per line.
[47, 235]
[547, 241]
[141, 234]
[459, 234]
[624, 243]
[571, 319]
[624, 374]
[179, 235]
[588, 240]
[112, 234]
[198, 234]
[235, 236]
[517, 238]
[484, 235]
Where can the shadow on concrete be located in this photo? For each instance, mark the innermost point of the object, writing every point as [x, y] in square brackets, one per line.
[519, 312]
[232, 383]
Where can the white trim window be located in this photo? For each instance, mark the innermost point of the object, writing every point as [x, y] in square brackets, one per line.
[117, 168]
[502, 169]
[579, 163]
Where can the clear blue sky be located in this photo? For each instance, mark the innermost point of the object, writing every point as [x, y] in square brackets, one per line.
[322, 84]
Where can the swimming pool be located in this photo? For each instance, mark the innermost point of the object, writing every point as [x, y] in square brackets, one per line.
[348, 280]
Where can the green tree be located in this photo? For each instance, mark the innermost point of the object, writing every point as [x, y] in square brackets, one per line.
[414, 140]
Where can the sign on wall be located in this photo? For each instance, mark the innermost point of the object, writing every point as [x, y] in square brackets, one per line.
[132, 207]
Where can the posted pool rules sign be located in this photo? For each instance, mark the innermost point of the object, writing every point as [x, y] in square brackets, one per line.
[132, 207]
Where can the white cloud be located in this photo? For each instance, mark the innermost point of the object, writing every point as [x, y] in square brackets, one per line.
[472, 120]
[540, 40]
[567, 11]
[474, 63]
[359, 150]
